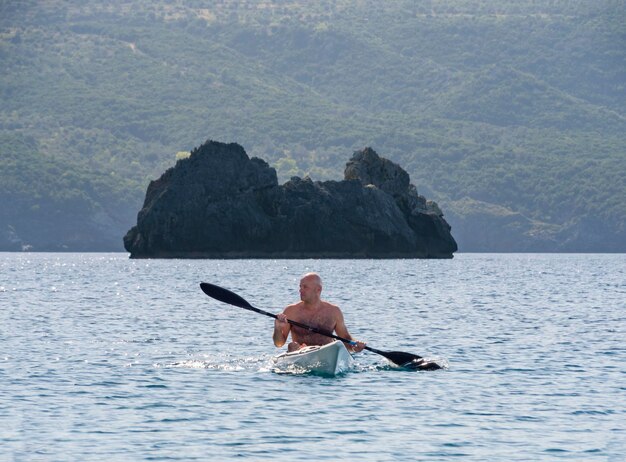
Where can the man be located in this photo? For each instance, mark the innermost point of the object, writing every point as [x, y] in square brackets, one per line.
[315, 312]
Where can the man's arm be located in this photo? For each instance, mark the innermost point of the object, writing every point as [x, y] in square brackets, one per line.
[281, 329]
[342, 331]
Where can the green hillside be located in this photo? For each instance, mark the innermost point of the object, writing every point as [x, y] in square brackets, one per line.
[509, 114]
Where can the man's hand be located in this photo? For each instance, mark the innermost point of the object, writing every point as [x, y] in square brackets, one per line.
[358, 347]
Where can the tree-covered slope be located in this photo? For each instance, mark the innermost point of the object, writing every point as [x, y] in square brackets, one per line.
[57, 205]
[509, 114]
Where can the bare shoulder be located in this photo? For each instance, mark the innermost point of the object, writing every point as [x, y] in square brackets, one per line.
[333, 309]
[292, 308]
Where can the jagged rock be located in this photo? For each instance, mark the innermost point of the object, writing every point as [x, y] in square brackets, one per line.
[368, 168]
[218, 203]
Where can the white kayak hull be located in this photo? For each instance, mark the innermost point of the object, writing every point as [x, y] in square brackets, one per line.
[330, 359]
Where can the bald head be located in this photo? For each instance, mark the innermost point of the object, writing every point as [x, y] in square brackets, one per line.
[310, 287]
[313, 278]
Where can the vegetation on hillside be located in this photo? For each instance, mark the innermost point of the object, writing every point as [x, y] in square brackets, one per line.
[518, 106]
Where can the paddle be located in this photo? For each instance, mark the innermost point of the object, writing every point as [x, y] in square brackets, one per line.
[407, 360]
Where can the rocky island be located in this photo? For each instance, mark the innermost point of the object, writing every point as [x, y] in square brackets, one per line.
[219, 203]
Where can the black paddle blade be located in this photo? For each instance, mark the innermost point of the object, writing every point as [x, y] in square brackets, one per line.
[223, 295]
[410, 361]
[400, 358]
[421, 365]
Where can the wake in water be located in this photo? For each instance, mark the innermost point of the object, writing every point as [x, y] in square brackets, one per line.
[266, 364]
[252, 364]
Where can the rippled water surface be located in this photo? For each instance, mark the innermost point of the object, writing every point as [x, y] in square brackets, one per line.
[106, 358]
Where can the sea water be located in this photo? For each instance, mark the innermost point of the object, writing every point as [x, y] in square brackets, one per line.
[106, 358]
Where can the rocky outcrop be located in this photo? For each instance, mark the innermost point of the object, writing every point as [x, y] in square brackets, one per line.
[219, 203]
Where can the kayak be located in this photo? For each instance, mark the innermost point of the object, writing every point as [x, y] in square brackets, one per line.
[330, 359]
